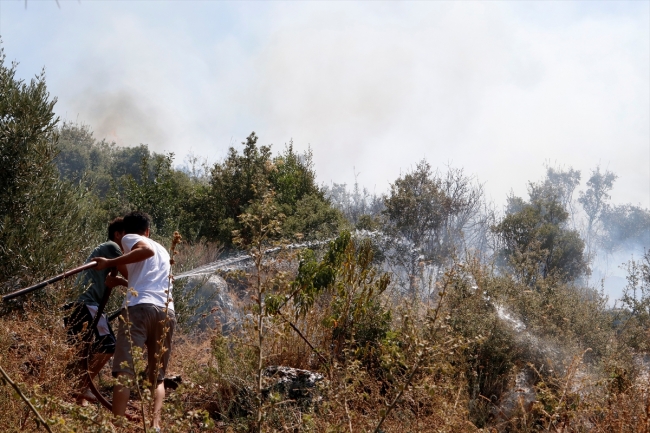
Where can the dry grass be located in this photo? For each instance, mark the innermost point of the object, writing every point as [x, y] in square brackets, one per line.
[468, 358]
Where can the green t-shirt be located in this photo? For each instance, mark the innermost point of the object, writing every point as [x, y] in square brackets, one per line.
[92, 280]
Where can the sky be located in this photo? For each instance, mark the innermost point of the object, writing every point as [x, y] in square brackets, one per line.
[497, 88]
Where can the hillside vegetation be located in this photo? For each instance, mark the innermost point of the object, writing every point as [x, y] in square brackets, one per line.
[424, 309]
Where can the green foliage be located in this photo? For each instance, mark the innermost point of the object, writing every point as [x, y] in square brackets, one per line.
[83, 159]
[348, 277]
[234, 184]
[427, 217]
[312, 217]
[369, 223]
[431, 211]
[370, 332]
[128, 178]
[39, 213]
[260, 229]
[162, 192]
[293, 177]
[242, 179]
[491, 350]
[535, 239]
[260, 226]
[347, 282]
[572, 316]
[417, 205]
[97, 164]
[28, 138]
[314, 276]
[127, 161]
[358, 320]
[507, 326]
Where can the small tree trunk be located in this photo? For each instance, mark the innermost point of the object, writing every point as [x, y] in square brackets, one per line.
[260, 339]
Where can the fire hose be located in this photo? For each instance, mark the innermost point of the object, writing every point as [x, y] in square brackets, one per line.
[87, 346]
[42, 284]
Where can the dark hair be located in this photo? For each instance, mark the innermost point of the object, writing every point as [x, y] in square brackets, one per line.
[117, 225]
[136, 222]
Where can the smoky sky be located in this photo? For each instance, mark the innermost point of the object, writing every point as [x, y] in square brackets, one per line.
[497, 88]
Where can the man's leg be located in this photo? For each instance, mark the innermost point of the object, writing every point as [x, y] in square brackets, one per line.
[161, 332]
[121, 394]
[158, 397]
[97, 362]
[77, 321]
[103, 350]
[129, 335]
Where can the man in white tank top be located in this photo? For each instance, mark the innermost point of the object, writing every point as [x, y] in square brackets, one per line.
[148, 311]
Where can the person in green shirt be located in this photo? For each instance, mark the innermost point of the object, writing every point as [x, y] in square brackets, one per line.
[81, 312]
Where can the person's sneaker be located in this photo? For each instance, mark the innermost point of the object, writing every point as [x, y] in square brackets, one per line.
[156, 430]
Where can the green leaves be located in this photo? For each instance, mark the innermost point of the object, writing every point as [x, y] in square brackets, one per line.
[535, 238]
[417, 205]
[159, 193]
[37, 209]
[261, 225]
[314, 277]
[245, 178]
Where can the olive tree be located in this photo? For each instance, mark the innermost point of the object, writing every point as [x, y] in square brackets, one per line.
[39, 213]
[427, 217]
[535, 240]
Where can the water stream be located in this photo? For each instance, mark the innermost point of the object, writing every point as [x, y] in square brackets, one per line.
[241, 261]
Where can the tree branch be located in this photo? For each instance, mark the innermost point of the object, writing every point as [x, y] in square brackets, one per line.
[25, 399]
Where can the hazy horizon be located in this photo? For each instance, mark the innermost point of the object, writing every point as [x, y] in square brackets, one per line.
[497, 88]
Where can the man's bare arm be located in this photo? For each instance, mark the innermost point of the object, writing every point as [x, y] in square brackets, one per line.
[124, 271]
[140, 251]
[113, 280]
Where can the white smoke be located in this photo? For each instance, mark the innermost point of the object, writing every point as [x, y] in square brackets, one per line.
[495, 88]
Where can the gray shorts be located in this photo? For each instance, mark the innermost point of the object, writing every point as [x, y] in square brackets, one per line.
[147, 326]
